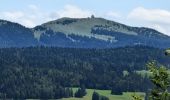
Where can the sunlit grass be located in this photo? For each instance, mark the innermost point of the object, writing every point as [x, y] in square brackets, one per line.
[107, 93]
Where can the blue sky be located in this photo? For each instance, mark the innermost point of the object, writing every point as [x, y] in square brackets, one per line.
[143, 13]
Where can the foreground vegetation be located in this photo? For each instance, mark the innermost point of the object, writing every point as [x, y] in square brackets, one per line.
[161, 81]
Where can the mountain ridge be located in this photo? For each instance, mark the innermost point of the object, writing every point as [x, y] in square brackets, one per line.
[84, 33]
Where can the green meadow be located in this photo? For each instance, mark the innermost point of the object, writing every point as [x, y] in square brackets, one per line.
[107, 93]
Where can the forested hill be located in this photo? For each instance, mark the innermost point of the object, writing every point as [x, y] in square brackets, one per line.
[27, 71]
[129, 58]
[80, 33]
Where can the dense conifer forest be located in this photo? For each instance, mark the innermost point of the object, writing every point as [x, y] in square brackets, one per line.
[49, 72]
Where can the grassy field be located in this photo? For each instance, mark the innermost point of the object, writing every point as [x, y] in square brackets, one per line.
[125, 96]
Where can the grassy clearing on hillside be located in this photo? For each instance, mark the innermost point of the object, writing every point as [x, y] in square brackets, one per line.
[107, 93]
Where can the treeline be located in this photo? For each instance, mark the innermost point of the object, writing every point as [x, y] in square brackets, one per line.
[41, 93]
[41, 72]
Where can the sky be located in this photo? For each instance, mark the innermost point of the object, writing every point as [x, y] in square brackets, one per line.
[139, 13]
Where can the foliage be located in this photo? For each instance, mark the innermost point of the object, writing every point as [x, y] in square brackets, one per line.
[160, 79]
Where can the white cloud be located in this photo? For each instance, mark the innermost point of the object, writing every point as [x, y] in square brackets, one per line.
[73, 12]
[33, 15]
[12, 15]
[152, 15]
[19, 17]
[29, 17]
[155, 18]
[28, 22]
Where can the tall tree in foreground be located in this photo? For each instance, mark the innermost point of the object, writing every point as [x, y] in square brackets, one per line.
[160, 80]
